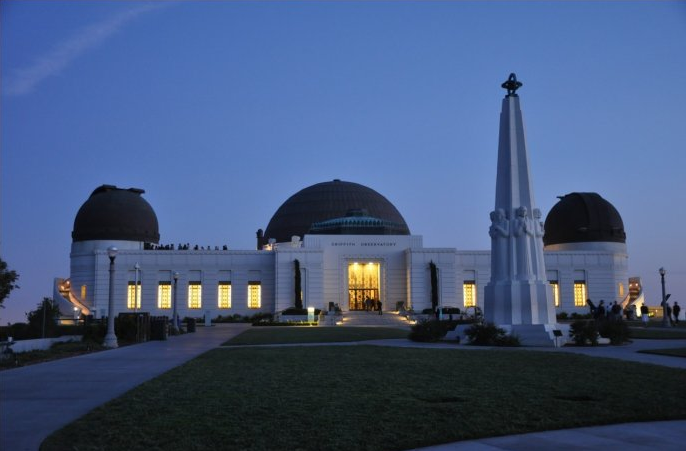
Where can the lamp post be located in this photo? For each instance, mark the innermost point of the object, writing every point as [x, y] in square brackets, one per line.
[111, 338]
[665, 317]
[175, 320]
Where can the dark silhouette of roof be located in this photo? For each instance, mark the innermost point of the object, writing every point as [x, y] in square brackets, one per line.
[112, 213]
[583, 217]
[327, 201]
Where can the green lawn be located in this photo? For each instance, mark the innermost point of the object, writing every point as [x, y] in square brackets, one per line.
[658, 333]
[371, 398]
[57, 351]
[289, 335]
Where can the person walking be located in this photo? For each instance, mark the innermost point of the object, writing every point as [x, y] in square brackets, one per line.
[645, 313]
[676, 309]
[379, 304]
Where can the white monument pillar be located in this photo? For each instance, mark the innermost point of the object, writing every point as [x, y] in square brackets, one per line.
[518, 298]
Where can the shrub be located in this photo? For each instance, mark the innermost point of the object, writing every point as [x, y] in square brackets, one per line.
[577, 316]
[584, 332]
[261, 318]
[95, 332]
[299, 311]
[616, 330]
[488, 334]
[562, 315]
[18, 331]
[235, 318]
[429, 330]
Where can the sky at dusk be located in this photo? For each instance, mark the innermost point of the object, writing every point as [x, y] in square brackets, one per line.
[222, 110]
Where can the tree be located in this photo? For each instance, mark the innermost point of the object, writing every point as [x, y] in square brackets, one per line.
[43, 320]
[8, 281]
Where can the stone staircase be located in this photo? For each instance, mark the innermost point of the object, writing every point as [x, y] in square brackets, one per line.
[388, 319]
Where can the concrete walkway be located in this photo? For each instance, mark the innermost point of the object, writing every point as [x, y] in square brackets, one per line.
[37, 400]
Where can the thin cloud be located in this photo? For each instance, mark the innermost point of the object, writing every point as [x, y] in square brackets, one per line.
[24, 80]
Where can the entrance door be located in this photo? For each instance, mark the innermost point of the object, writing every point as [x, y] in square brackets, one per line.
[363, 285]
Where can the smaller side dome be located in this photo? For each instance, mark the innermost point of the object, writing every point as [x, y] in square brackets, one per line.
[112, 213]
[583, 218]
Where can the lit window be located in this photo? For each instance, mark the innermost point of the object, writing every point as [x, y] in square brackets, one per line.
[224, 295]
[164, 295]
[469, 289]
[194, 295]
[133, 299]
[579, 293]
[621, 290]
[556, 292]
[83, 292]
[254, 295]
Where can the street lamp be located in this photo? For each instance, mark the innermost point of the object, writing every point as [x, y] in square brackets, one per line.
[111, 338]
[665, 317]
[175, 320]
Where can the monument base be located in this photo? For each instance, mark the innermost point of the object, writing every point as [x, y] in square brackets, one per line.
[543, 335]
[519, 302]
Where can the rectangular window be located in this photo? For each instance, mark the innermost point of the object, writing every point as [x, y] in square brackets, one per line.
[164, 295]
[254, 295]
[194, 295]
[469, 289]
[556, 291]
[579, 293]
[224, 295]
[133, 299]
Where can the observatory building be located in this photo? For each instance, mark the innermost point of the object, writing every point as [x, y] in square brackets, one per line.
[342, 243]
[351, 244]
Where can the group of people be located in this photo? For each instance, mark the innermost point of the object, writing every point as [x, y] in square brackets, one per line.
[181, 247]
[372, 305]
[673, 312]
[614, 311]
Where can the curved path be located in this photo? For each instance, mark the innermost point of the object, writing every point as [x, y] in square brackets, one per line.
[36, 400]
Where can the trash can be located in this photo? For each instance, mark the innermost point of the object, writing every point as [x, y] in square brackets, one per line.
[190, 325]
[158, 328]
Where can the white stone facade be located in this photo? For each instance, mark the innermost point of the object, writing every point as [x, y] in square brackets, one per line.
[404, 274]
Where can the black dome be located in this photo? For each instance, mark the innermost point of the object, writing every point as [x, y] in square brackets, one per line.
[582, 218]
[329, 200]
[112, 213]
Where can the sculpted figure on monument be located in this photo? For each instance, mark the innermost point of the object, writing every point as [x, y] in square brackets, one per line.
[523, 230]
[500, 227]
[499, 232]
[538, 244]
[538, 224]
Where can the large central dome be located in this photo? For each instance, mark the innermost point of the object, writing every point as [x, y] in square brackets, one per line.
[326, 201]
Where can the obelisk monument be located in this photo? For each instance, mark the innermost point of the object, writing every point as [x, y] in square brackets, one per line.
[518, 296]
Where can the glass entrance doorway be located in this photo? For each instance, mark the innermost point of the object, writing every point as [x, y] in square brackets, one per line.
[363, 285]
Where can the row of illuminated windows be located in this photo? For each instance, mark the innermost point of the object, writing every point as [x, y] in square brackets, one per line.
[194, 298]
[469, 293]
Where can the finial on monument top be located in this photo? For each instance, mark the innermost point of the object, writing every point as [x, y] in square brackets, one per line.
[512, 85]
